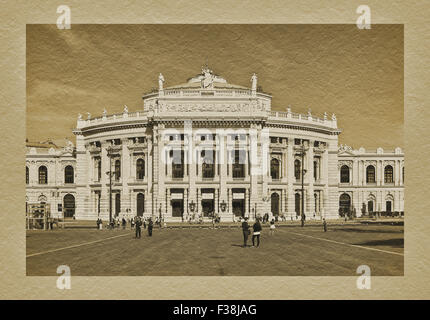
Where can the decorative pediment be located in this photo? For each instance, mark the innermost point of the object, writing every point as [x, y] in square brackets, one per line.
[344, 149]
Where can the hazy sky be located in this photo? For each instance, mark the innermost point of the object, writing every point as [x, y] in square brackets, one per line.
[357, 74]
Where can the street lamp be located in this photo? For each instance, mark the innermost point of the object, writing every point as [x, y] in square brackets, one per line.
[192, 206]
[303, 180]
[109, 154]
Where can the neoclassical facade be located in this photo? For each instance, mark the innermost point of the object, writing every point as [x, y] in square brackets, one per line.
[210, 147]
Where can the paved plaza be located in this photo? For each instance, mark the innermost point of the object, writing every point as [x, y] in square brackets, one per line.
[291, 251]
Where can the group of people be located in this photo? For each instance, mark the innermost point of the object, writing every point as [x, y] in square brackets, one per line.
[256, 231]
[138, 222]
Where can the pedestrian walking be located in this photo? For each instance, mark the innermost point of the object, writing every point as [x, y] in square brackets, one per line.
[272, 227]
[138, 229]
[324, 225]
[124, 223]
[144, 223]
[150, 226]
[256, 233]
[245, 230]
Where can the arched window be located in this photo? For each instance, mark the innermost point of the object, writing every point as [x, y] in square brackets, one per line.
[297, 169]
[43, 175]
[27, 175]
[388, 174]
[117, 169]
[370, 174]
[274, 198]
[117, 204]
[344, 174]
[69, 174]
[274, 168]
[140, 169]
[297, 202]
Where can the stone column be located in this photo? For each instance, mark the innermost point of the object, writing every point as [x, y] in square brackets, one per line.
[161, 198]
[290, 178]
[149, 168]
[310, 179]
[126, 161]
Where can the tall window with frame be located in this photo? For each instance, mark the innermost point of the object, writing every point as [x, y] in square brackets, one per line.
[388, 174]
[297, 169]
[140, 169]
[117, 170]
[344, 174]
[69, 174]
[43, 175]
[208, 165]
[239, 164]
[177, 163]
[370, 174]
[99, 169]
[274, 169]
[27, 175]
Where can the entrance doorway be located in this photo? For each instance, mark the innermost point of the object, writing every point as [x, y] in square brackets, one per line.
[344, 204]
[177, 207]
[177, 202]
[370, 206]
[388, 207]
[140, 205]
[274, 198]
[69, 206]
[238, 202]
[208, 202]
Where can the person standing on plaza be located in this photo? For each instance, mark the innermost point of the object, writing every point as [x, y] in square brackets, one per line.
[124, 223]
[325, 225]
[150, 226]
[256, 232]
[245, 230]
[138, 229]
[272, 227]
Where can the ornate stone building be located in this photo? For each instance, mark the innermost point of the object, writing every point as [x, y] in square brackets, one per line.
[209, 147]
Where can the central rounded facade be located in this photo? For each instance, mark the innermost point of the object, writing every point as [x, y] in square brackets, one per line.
[207, 149]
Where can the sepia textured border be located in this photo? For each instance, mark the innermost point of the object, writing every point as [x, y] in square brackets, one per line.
[415, 284]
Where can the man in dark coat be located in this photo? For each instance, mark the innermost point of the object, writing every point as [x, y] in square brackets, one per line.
[138, 229]
[245, 230]
[150, 226]
[256, 235]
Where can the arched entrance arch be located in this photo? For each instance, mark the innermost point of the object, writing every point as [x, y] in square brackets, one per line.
[274, 200]
[140, 204]
[69, 205]
[371, 203]
[344, 204]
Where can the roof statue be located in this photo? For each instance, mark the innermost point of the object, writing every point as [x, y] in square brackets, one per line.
[79, 116]
[208, 78]
[333, 117]
[160, 82]
[125, 109]
[89, 116]
[254, 82]
[104, 112]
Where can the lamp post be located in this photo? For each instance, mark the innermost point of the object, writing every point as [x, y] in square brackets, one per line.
[109, 154]
[303, 186]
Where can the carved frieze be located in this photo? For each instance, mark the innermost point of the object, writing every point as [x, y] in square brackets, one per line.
[344, 163]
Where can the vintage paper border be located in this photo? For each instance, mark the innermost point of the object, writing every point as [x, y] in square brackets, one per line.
[15, 285]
